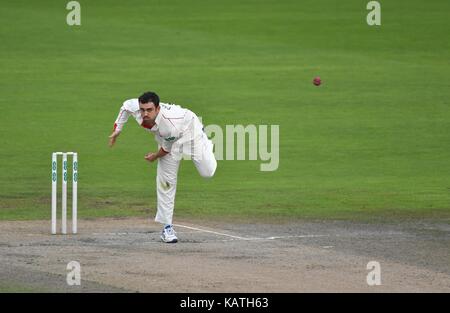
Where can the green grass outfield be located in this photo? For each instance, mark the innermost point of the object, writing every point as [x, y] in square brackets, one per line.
[372, 141]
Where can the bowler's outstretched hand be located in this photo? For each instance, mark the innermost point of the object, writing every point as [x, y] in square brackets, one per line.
[113, 137]
[152, 156]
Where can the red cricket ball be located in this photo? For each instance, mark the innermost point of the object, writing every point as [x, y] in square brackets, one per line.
[317, 81]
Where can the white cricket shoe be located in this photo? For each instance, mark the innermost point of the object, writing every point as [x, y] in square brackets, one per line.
[168, 235]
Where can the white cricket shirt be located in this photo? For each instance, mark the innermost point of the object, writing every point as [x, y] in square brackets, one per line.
[172, 124]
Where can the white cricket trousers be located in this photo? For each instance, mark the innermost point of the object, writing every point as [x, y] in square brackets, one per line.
[167, 172]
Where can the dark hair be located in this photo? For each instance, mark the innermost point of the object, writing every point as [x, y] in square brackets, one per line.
[149, 96]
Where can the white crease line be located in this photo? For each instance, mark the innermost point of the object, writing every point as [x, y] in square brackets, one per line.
[210, 231]
[279, 237]
[216, 233]
[111, 234]
[249, 239]
[135, 233]
[294, 236]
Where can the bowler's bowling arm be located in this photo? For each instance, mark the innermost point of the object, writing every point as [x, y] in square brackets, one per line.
[113, 137]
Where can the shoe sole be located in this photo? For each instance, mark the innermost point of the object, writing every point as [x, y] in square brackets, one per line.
[173, 241]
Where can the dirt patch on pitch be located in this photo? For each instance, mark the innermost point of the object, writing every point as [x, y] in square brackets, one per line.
[120, 255]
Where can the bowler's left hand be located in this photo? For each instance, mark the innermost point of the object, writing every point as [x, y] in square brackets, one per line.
[152, 156]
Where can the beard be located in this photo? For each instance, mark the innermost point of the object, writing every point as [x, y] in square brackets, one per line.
[148, 122]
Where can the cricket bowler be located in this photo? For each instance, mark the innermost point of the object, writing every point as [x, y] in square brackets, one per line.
[178, 131]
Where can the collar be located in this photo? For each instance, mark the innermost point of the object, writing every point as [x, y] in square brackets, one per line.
[158, 117]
